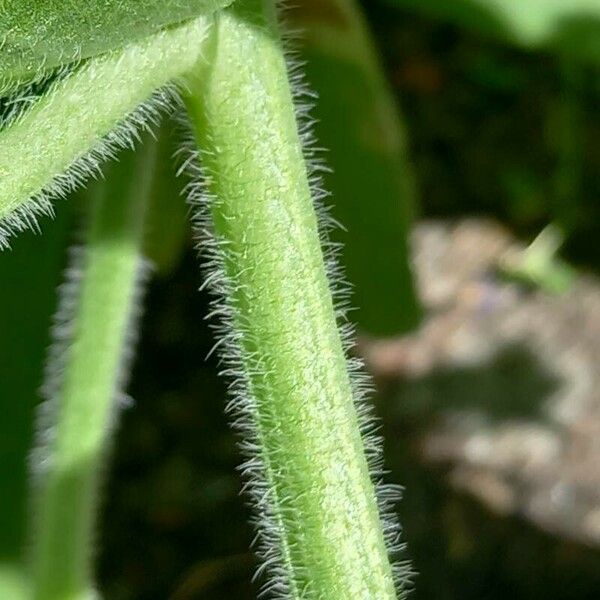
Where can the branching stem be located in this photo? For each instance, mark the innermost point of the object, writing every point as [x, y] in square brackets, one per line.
[321, 535]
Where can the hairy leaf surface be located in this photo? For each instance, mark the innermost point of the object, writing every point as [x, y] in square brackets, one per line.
[38, 36]
[66, 134]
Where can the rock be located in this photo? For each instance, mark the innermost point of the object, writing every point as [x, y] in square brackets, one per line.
[510, 377]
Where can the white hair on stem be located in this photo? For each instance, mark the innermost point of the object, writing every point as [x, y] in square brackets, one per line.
[271, 544]
[61, 140]
[125, 135]
[388, 494]
[226, 322]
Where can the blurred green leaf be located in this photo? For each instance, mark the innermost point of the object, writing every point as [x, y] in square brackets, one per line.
[539, 264]
[29, 275]
[570, 26]
[38, 36]
[358, 122]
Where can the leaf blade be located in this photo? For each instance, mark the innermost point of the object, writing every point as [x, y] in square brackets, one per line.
[65, 135]
[39, 36]
[371, 179]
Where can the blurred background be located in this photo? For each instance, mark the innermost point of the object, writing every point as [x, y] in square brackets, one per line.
[463, 137]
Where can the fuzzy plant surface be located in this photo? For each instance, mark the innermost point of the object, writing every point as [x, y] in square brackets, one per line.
[296, 398]
[93, 335]
[313, 466]
[66, 133]
[38, 36]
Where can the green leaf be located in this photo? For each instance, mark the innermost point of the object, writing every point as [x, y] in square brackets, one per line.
[167, 229]
[371, 180]
[79, 122]
[38, 36]
[570, 26]
[539, 264]
[29, 275]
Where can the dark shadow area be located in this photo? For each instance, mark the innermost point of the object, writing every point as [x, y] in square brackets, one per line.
[466, 13]
[512, 385]
[175, 526]
[461, 550]
[488, 122]
[576, 34]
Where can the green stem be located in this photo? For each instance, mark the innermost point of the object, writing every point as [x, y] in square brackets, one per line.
[319, 526]
[58, 132]
[85, 375]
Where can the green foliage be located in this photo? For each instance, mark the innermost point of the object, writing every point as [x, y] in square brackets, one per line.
[372, 185]
[294, 398]
[38, 36]
[87, 368]
[313, 461]
[67, 133]
[539, 265]
[569, 26]
[29, 274]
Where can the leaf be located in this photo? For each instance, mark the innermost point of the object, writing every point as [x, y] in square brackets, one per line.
[570, 26]
[64, 137]
[373, 196]
[38, 36]
[539, 264]
[29, 275]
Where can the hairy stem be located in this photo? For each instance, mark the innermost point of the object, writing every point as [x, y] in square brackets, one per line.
[86, 372]
[320, 531]
[75, 115]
